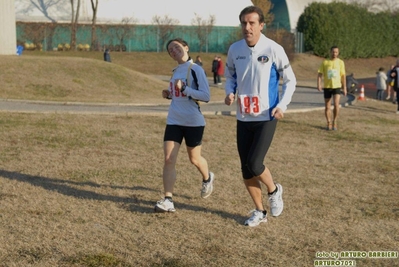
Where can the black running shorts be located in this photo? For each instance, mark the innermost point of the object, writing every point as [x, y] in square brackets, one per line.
[329, 92]
[192, 135]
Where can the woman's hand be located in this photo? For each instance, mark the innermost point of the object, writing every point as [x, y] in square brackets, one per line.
[166, 94]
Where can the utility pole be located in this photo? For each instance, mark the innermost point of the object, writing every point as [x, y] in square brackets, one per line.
[8, 30]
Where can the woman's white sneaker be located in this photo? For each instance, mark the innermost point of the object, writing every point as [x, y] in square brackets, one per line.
[256, 218]
[207, 188]
[276, 201]
[164, 205]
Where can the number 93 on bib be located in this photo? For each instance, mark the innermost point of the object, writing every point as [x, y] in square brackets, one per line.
[250, 105]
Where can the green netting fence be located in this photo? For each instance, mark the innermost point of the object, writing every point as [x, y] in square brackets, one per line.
[146, 38]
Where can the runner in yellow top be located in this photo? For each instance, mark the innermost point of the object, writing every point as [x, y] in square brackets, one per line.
[332, 71]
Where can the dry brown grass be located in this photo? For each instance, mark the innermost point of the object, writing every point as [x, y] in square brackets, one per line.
[85, 77]
[79, 190]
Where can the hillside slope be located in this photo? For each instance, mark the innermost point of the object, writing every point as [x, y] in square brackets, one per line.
[74, 79]
[130, 78]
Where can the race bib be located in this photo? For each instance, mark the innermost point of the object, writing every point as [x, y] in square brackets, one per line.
[175, 91]
[332, 74]
[249, 105]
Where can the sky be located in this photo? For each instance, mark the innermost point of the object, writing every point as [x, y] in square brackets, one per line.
[225, 11]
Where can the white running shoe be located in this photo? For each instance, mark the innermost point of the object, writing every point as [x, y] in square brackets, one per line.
[256, 218]
[164, 205]
[276, 201]
[207, 188]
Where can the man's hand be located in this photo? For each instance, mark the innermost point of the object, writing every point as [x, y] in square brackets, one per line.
[277, 113]
[319, 87]
[229, 99]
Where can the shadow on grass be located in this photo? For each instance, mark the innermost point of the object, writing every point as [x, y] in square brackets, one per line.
[65, 187]
[183, 206]
[133, 203]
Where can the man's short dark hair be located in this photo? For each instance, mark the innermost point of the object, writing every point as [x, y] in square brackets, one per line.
[333, 47]
[252, 9]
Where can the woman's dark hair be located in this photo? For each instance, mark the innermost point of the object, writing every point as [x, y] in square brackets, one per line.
[252, 9]
[179, 40]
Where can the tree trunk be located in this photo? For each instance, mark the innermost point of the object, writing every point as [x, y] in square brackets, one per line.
[74, 23]
[93, 25]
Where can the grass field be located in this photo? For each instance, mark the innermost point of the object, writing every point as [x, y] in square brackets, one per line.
[79, 190]
[130, 78]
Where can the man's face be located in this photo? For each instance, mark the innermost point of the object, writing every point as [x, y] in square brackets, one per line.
[334, 53]
[251, 28]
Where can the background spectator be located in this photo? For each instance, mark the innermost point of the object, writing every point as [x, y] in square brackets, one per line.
[107, 56]
[215, 64]
[220, 71]
[381, 83]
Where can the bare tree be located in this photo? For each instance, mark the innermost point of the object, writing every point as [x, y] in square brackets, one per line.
[44, 6]
[203, 29]
[165, 26]
[94, 7]
[106, 36]
[35, 33]
[50, 9]
[124, 31]
[266, 6]
[74, 21]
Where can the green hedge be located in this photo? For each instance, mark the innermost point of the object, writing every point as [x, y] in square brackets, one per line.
[357, 32]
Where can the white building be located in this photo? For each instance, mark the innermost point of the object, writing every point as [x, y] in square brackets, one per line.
[8, 40]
